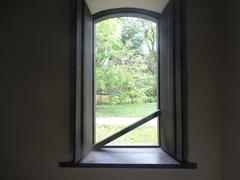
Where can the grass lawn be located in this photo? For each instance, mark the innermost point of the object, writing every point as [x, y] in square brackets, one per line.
[125, 110]
[145, 134]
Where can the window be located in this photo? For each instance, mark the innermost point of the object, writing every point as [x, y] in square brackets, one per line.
[126, 80]
[91, 148]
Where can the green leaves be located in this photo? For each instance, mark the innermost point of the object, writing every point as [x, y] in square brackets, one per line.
[126, 60]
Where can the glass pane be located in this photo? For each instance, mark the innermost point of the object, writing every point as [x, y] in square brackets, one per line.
[126, 76]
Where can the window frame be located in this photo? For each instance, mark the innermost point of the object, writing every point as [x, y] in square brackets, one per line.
[179, 135]
[138, 13]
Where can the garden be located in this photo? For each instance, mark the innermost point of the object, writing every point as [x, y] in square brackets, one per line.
[126, 78]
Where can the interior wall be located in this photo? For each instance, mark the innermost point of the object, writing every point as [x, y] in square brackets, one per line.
[231, 88]
[151, 5]
[37, 105]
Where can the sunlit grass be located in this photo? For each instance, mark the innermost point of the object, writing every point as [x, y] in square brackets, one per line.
[126, 110]
[143, 135]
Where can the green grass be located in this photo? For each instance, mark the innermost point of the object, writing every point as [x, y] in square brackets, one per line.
[146, 134]
[125, 110]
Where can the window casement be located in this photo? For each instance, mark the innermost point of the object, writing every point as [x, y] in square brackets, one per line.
[171, 151]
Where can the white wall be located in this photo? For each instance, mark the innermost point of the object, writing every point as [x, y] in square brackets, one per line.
[152, 5]
[37, 72]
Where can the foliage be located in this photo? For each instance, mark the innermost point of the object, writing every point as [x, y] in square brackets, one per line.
[126, 60]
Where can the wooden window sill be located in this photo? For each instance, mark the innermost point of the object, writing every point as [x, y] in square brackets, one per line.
[152, 157]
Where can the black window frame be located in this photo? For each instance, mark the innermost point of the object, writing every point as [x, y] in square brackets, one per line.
[173, 119]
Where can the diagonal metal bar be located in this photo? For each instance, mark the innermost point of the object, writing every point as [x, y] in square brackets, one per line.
[126, 130]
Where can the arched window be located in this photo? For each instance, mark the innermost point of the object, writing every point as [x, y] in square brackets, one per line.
[129, 65]
[126, 78]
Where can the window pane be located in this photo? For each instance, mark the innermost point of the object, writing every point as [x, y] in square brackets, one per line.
[126, 77]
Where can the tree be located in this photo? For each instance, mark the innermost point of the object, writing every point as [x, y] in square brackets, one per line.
[126, 59]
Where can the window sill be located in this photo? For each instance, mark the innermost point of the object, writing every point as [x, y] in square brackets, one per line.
[129, 158]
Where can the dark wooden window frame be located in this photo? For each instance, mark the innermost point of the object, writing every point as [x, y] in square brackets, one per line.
[172, 105]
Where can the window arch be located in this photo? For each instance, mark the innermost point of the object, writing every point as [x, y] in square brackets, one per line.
[126, 12]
